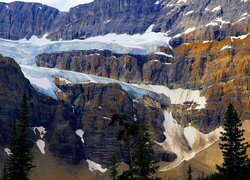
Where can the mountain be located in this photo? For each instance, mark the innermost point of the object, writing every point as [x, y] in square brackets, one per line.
[171, 64]
[220, 17]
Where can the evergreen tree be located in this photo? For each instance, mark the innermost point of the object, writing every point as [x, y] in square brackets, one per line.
[189, 172]
[24, 153]
[5, 172]
[113, 170]
[11, 164]
[233, 146]
[145, 167]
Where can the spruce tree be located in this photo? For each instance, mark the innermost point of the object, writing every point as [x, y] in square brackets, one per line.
[233, 146]
[25, 144]
[113, 170]
[145, 166]
[11, 164]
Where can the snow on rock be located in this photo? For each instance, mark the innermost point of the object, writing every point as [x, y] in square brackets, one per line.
[226, 47]
[80, 133]
[178, 96]
[189, 12]
[244, 14]
[212, 24]
[157, 2]
[93, 166]
[164, 54]
[185, 142]
[41, 130]
[216, 9]
[150, 28]
[155, 60]
[241, 19]
[8, 151]
[218, 22]
[41, 145]
[181, 1]
[189, 30]
[204, 42]
[239, 37]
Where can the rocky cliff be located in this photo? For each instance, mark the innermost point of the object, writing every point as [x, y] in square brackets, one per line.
[22, 20]
[221, 18]
[45, 112]
[123, 67]
[84, 107]
[219, 68]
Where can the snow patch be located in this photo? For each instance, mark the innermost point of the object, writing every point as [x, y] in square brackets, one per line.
[181, 1]
[150, 28]
[8, 151]
[80, 133]
[41, 130]
[189, 12]
[204, 42]
[41, 145]
[155, 60]
[216, 9]
[157, 2]
[189, 30]
[93, 166]
[242, 19]
[164, 54]
[218, 22]
[239, 37]
[226, 47]
[178, 139]
[107, 21]
[178, 96]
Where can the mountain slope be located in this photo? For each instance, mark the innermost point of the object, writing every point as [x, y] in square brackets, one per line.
[20, 20]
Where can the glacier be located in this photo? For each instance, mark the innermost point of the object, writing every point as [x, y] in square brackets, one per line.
[25, 51]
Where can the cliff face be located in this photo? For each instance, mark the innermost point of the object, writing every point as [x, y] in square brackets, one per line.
[219, 68]
[219, 17]
[44, 112]
[127, 68]
[95, 104]
[86, 107]
[22, 20]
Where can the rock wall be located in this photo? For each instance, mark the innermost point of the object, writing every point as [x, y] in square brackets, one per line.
[86, 107]
[20, 20]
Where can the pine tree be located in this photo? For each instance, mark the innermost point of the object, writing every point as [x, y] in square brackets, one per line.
[24, 153]
[189, 172]
[113, 170]
[233, 146]
[145, 167]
